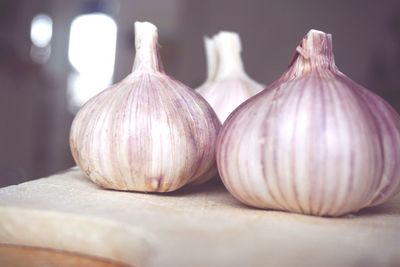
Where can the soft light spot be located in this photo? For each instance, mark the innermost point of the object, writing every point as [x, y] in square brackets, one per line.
[41, 30]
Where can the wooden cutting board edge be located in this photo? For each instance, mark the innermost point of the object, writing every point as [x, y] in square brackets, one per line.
[126, 244]
[22, 256]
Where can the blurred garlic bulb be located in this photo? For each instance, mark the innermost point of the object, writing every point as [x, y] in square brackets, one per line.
[227, 84]
[148, 132]
[313, 142]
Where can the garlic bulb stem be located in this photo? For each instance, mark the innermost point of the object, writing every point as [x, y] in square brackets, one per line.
[229, 49]
[314, 52]
[211, 58]
[147, 57]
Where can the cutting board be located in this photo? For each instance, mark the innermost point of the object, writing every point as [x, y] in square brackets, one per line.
[197, 226]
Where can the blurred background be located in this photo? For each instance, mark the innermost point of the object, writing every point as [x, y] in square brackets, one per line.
[56, 54]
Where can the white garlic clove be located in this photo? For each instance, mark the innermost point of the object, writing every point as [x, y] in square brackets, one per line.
[148, 132]
[227, 84]
[313, 142]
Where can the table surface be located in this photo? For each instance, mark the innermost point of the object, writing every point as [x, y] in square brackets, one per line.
[198, 226]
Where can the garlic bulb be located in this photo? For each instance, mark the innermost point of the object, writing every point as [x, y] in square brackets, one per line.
[227, 84]
[148, 132]
[313, 142]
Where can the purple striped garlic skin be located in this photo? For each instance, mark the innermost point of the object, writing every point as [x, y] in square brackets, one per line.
[227, 85]
[313, 142]
[148, 132]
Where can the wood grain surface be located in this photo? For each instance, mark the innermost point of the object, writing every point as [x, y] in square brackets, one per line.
[18, 256]
[198, 226]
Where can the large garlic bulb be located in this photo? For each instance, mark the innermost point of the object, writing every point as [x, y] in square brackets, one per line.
[313, 142]
[227, 85]
[148, 132]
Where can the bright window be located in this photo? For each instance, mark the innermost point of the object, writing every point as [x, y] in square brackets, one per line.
[91, 52]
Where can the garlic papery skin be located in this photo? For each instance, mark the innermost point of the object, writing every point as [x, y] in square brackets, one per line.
[227, 84]
[148, 132]
[314, 142]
